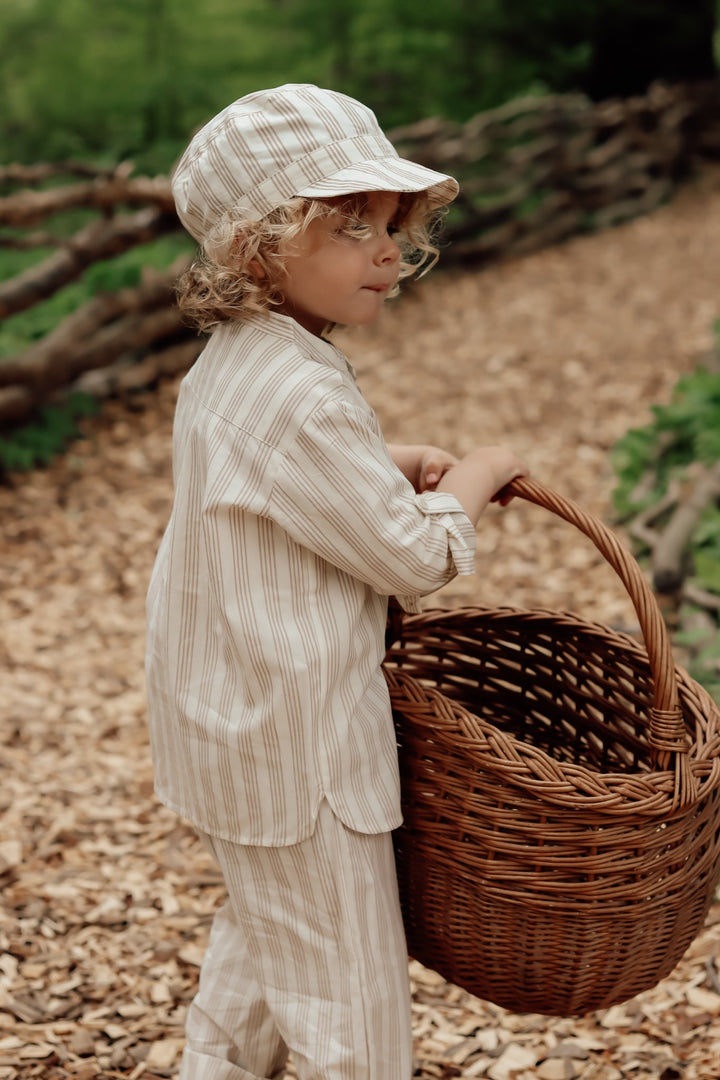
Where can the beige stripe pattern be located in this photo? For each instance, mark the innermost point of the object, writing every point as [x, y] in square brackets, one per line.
[309, 952]
[266, 610]
[296, 139]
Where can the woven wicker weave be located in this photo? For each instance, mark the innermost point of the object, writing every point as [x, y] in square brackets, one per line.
[561, 795]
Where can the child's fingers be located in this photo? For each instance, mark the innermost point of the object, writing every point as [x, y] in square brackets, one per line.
[434, 467]
[503, 497]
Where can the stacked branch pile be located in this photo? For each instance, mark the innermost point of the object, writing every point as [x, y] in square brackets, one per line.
[538, 170]
[532, 173]
[117, 339]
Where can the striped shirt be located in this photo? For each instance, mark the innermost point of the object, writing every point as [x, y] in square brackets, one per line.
[290, 528]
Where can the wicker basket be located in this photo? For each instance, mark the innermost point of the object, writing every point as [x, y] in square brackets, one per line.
[561, 796]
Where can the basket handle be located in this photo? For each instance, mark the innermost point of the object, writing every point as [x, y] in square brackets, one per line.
[667, 736]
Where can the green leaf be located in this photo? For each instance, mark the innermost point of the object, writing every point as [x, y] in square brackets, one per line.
[47, 434]
[707, 569]
[707, 533]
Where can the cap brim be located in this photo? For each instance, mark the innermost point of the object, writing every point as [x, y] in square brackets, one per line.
[385, 174]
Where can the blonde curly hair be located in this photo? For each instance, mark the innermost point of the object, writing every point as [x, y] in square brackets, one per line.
[240, 268]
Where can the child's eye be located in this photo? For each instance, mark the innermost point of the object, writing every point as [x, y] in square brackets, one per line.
[357, 229]
[351, 228]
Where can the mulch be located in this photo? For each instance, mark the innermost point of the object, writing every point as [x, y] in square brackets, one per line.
[106, 896]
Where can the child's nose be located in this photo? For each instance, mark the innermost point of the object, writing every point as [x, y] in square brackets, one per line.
[388, 250]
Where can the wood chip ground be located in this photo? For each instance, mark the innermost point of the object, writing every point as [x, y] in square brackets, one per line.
[106, 897]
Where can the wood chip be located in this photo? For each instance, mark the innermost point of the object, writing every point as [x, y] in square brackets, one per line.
[512, 1060]
[559, 1069]
[36, 1051]
[164, 1053]
[107, 896]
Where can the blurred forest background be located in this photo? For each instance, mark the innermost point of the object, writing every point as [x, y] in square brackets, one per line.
[105, 82]
[113, 79]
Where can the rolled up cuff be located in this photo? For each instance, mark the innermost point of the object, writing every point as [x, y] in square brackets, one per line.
[462, 541]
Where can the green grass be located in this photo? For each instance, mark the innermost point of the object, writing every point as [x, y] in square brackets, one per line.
[19, 331]
[47, 432]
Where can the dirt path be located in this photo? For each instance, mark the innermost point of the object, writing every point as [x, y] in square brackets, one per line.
[106, 897]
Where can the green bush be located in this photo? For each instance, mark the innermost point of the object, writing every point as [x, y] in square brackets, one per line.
[683, 431]
[47, 434]
[646, 460]
[120, 272]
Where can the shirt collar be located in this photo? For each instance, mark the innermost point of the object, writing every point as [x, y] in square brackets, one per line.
[285, 327]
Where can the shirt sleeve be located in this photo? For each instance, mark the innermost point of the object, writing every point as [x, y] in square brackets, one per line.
[338, 492]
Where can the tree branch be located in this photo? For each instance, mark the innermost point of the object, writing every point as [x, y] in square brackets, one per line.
[41, 171]
[77, 330]
[670, 550]
[99, 240]
[28, 207]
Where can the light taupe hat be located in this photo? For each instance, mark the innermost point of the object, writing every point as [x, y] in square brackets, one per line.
[296, 139]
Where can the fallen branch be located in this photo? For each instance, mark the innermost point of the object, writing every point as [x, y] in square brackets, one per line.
[78, 329]
[701, 597]
[38, 173]
[125, 336]
[640, 528]
[31, 241]
[108, 365]
[28, 207]
[106, 328]
[99, 240]
[123, 377]
[669, 556]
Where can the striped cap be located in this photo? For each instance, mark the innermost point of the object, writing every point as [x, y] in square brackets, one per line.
[294, 140]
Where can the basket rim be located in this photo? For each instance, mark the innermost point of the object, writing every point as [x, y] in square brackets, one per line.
[561, 616]
[646, 793]
[526, 766]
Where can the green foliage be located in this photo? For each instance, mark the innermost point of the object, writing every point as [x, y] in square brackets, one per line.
[706, 550]
[19, 331]
[685, 430]
[122, 271]
[98, 79]
[37, 442]
[702, 645]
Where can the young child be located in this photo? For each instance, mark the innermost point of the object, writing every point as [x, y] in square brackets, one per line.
[293, 522]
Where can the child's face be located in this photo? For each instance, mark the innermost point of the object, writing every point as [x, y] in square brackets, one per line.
[336, 275]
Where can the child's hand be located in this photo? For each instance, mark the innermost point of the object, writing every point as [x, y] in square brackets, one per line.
[424, 466]
[480, 477]
[434, 463]
[502, 498]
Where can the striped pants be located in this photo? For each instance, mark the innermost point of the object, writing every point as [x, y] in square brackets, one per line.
[308, 953]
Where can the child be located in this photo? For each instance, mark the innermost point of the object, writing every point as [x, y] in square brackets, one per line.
[293, 522]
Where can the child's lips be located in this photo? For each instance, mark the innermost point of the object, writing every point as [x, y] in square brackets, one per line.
[378, 288]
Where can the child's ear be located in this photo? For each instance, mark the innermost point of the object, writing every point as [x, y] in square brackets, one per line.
[256, 269]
